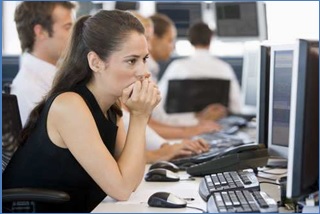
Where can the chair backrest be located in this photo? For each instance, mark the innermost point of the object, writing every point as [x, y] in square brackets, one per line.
[11, 127]
[193, 95]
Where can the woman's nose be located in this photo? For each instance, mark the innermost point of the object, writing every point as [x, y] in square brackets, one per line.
[147, 74]
[144, 73]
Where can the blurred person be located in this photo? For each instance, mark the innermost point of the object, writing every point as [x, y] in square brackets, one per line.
[162, 42]
[200, 65]
[43, 29]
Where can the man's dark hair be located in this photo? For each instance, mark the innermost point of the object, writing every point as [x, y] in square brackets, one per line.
[29, 14]
[200, 34]
[161, 23]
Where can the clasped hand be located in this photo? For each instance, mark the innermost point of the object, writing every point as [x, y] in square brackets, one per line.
[141, 97]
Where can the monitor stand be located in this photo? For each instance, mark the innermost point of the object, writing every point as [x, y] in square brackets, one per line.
[277, 162]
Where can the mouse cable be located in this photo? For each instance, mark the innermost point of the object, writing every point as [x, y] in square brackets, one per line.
[197, 208]
[187, 179]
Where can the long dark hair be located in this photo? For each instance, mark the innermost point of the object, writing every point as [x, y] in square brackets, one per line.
[102, 33]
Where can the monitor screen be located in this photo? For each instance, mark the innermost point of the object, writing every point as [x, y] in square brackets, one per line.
[263, 96]
[183, 14]
[303, 160]
[193, 95]
[240, 21]
[281, 68]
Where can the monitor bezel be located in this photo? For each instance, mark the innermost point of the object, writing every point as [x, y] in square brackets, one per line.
[263, 96]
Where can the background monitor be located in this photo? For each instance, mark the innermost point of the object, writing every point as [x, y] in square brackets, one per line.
[10, 68]
[281, 68]
[303, 161]
[263, 96]
[193, 95]
[183, 15]
[127, 5]
[240, 21]
[250, 70]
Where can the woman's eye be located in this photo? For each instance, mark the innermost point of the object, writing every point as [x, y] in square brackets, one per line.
[145, 59]
[132, 61]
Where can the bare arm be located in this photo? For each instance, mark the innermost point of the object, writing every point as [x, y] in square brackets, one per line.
[71, 124]
[178, 132]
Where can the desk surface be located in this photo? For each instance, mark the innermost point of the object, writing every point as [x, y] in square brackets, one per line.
[137, 203]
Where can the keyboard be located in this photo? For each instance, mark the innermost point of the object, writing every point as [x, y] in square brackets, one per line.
[217, 147]
[233, 180]
[242, 201]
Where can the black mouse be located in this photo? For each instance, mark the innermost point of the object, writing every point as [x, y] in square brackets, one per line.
[161, 175]
[165, 165]
[166, 200]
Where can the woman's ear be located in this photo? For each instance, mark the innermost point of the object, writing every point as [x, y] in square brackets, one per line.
[94, 61]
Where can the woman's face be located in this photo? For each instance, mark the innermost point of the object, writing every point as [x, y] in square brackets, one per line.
[128, 64]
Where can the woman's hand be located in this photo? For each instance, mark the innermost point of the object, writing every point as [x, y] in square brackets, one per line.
[141, 97]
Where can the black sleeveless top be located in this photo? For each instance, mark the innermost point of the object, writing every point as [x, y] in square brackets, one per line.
[39, 163]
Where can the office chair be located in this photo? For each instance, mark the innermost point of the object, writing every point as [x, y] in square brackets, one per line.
[22, 199]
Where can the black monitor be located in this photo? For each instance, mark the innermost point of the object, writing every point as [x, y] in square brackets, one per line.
[193, 95]
[282, 63]
[10, 67]
[240, 21]
[182, 14]
[127, 5]
[263, 96]
[303, 161]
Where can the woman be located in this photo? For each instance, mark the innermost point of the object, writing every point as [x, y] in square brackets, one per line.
[74, 139]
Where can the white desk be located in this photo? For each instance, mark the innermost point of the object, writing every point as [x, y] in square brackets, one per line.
[184, 189]
[138, 200]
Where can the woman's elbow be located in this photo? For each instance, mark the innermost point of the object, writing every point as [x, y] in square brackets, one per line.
[122, 195]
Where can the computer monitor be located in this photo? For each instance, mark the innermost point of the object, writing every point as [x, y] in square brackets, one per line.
[250, 70]
[10, 68]
[240, 21]
[193, 95]
[282, 64]
[127, 5]
[263, 96]
[182, 14]
[236, 63]
[303, 160]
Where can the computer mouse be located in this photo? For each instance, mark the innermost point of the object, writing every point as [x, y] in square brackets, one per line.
[161, 175]
[166, 200]
[165, 165]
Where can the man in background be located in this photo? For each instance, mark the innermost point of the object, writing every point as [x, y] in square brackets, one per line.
[43, 29]
[200, 65]
[162, 42]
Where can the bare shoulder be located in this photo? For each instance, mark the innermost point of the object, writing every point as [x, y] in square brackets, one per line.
[68, 103]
